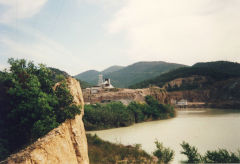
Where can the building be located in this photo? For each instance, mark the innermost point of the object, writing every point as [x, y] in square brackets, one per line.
[107, 84]
[182, 102]
[100, 79]
[104, 84]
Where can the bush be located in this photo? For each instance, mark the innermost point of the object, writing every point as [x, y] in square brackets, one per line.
[221, 156]
[29, 107]
[100, 151]
[116, 114]
[191, 152]
[164, 155]
[216, 156]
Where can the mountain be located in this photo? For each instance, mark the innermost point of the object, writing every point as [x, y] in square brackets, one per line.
[90, 76]
[217, 84]
[112, 69]
[131, 74]
[58, 75]
[213, 71]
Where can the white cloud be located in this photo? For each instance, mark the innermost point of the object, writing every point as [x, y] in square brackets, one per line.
[20, 9]
[40, 49]
[183, 31]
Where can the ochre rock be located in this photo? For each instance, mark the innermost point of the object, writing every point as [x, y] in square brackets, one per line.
[126, 95]
[66, 144]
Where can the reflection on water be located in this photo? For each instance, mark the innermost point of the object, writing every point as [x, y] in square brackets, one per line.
[207, 129]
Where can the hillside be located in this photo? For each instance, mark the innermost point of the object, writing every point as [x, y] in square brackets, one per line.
[215, 83]
[112, 69]
[213, 71]
[58, 75]
[90, 76]
[131, 74]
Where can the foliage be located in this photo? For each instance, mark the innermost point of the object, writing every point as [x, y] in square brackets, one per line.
[58, 75]
[84, 84]
[29, 107]
[215, 71]
[221, 156]
[115, 114]
[164, 155]
[101, 116]
[191, 152]
[216, 156]
[100, 151]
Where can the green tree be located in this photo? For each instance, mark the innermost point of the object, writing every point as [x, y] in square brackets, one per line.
[29, 107]
[221, 156]
[164, 155]
[191, 152]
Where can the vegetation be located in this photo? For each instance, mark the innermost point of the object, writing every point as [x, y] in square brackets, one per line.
[100, 151]
[58, 75]
[115, 114]
[90, 76]
[112, 69]
[131, 74]
[105, 152]
[215, 71]
[84, 84]
[164, 155]
[29, 106]
[216, 156]
[191, 152]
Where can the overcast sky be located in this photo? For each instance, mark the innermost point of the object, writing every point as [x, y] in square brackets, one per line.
[77, 35]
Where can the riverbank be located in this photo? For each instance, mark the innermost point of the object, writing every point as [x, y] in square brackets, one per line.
[100, 151]
[202, 128]
[116, 114]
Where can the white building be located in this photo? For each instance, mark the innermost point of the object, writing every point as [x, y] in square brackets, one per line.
[107, 84]
[182, 102]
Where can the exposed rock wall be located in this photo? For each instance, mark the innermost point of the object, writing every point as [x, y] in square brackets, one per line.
[127, 95]
[191, 95]
[66, 144]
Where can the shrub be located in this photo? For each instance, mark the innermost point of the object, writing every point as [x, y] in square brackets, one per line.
[116, 114]
[164, 155]
[216, 156]
[191, 152]
[29, 107]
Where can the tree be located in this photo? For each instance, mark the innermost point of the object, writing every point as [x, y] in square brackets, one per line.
[191, 152]
[216, 156]
[29, 107]
[164, 155]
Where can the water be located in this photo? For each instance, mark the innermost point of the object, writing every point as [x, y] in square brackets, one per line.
[208, 129]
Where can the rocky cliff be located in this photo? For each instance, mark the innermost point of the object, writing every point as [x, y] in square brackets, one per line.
[220, 94]
[126, 95]
[66, 144]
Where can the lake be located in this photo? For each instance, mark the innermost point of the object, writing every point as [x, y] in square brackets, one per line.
[207, 129]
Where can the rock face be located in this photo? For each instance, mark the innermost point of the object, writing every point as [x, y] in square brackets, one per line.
[126, 95]
[66, 144]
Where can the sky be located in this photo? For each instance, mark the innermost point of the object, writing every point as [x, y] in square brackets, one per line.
[78, 35]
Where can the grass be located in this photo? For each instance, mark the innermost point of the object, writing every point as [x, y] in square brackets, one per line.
[104, 152]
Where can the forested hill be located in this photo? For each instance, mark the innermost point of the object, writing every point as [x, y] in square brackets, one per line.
[90, 76]
[59, 75]
[216, 71]
[131, 74]
[112, 69]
